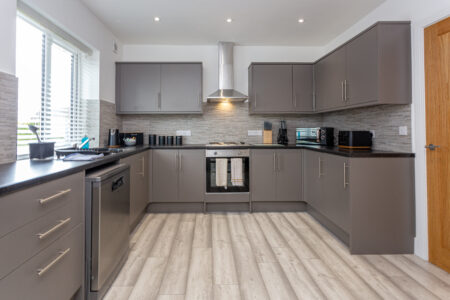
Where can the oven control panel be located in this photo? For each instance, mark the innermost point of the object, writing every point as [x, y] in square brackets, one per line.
[227, 153]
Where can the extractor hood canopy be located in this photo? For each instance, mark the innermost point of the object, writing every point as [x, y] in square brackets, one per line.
[226, 91]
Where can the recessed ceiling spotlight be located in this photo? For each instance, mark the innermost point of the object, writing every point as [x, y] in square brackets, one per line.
[301, 20]
[156, 19]
[229, 20]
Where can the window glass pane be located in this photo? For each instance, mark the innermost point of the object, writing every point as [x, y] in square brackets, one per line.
[58, 106]
[29, 52]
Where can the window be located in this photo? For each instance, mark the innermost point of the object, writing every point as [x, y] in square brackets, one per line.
[49, 71]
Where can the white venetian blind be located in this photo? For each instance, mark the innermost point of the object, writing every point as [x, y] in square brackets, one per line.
[50, 75]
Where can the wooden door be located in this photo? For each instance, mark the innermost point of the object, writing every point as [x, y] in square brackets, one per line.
[165, 175]
[437, 91]
[272, 89]
[289, 175]
[263, 175]
[362, 69]
[181, 88]
[137, 87]
[192, 176]
[330, 76]
[303, 88]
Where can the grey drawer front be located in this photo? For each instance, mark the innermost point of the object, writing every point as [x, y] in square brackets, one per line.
[24, 206]
[227, 197]
[24, 243]
[62, 278]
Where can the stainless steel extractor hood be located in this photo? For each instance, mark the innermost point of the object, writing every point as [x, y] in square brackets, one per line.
[226, 91]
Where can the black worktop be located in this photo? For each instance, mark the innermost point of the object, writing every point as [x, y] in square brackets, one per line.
[26, 173]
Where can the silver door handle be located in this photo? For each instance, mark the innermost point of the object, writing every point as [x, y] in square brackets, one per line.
[159, 100]
[255, 99]
[274, 162]
[55, 196]
[200, 99]
[432, 147]
[44, 270]
[320, 168]
[60, 224]
[180, 161]
[345, 91]
[177, 165]
[295, 100]
[345, 176]
[142, 173]
[342, 91]
[278, 163]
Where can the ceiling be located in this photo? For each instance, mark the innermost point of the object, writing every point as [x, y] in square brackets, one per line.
[255, 22]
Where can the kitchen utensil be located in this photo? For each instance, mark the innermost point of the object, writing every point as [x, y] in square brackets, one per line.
[113, 138]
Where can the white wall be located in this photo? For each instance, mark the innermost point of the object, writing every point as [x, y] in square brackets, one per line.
[421, 13]
[8, 36]
[76, 19]
[208, 55]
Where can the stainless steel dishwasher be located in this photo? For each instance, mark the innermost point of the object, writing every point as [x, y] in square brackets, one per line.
[107, 226]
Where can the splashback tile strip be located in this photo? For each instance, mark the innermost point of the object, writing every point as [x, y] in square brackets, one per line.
[8, 117]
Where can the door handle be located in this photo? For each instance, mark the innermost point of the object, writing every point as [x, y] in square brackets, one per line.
[274, 162]
[278, 163]
[345, 91]
[320, 168]
[177, 165]
[345, 175]
[255, 99]
[432, 147]
[342, 91]
[180, 160]
[159, 100]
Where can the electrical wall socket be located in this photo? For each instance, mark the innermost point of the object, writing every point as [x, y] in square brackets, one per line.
[184, 132]
[373, 133]
[255, 133]
[403, 130]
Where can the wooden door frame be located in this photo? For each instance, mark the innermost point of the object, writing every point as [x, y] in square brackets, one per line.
[419, 130]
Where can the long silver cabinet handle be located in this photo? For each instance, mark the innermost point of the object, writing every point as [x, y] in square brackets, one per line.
[345, 175]
[142, 173]
[320, 168]
[159, 100]
[278, 163]
[345, 90]
[274, 162]
[44, 270]
[342, 91]
[55, 196]
[60, 224]
[180, 160]
[177, 164]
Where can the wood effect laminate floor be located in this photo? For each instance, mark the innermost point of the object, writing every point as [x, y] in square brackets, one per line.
[263, 256]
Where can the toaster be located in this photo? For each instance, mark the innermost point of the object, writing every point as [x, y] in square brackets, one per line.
[355, 139]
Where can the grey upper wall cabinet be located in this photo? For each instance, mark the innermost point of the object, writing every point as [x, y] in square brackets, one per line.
[373, 68]
[276, 175]
[178, 176]
[280, 88]
[138, 87]
[158, 88]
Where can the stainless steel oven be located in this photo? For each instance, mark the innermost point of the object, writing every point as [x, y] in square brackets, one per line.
[230, 181]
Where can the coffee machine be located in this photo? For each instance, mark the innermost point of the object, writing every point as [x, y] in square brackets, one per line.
[113, 138]
[282, 138]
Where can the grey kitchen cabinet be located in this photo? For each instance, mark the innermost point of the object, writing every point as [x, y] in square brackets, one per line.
[329, 81]
[40, 224]
[139, 181]
[276, 175]
[138, 87]
[367, 202]
[303, 87]
[158, 88]
[178, 175]
[371, 69]
[263, 175]
[181, 88]
[270, 88]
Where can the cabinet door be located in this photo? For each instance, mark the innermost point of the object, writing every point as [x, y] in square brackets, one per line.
[165, 175]
[192, 176]
[181, 88]
[330, 76]
[303, 88]
[312, 179]
[271, 89]
[137, 87]
[289, 175]
[337, 197]
[143, 181]
[135, 189]
[263, 175]
[362, 68]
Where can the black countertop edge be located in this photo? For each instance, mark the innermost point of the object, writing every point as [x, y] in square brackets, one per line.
[26, 173]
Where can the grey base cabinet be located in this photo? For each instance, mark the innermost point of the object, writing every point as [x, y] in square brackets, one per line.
[178, 176]
[367, 202]
[276, 175]
[139, 181]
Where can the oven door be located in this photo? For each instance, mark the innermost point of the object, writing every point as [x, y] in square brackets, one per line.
[211, 186]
